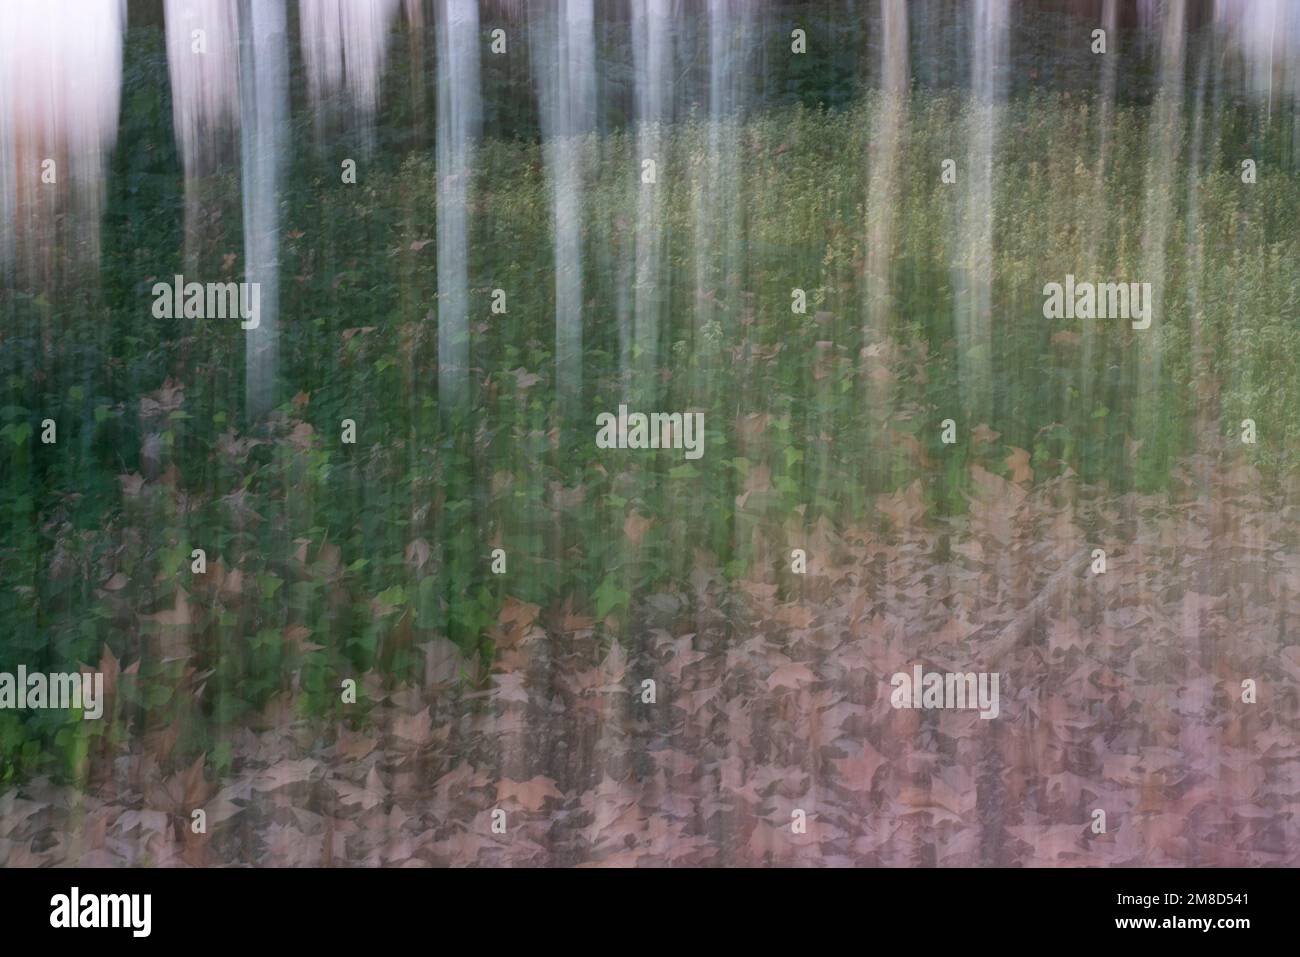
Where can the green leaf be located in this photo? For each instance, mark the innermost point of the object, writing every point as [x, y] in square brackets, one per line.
[396, 595]
[608, 597]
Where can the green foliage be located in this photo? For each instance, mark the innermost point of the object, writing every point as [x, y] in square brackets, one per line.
[328, 561]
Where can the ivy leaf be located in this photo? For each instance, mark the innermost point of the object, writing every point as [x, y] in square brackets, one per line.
[608, 597]
[18, 433]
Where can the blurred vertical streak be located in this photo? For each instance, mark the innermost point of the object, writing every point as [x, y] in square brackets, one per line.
[719, 213]
[344, 47]
[1105, 145]
[60, 89]
[458, 127]
[989, 52]
[205, 97]
[564, 63]
[264, 139]
[652, 54]
[1166, 136]
[414, 10]
[884, 191]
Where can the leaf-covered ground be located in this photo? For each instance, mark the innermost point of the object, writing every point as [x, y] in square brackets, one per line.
[1120, 692]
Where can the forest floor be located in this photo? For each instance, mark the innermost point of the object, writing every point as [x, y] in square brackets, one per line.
[1120, 692]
